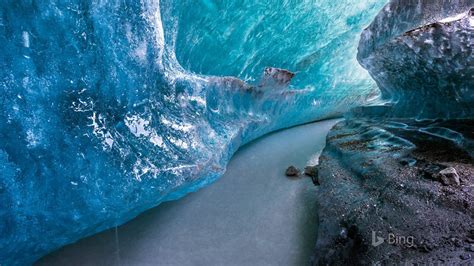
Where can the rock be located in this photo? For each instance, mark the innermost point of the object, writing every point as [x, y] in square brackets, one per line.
[292, 171]
[408, 161]
[315, 180]
[426, 246]
[449, 177]
[465, 256]
[470, 248]
[276, 77]
[431, 171]
[456, 242]
[311, 171]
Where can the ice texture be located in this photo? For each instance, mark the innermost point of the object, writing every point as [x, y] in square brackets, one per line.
[420, 54]
[99, 121]
[252, 215]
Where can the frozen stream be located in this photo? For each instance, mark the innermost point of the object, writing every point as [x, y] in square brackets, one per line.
[253, 215]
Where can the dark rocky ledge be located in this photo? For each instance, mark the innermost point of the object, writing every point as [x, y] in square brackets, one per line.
[381, 179]
[396, 181]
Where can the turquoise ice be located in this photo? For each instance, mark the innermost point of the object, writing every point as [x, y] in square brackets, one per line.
[110, 107]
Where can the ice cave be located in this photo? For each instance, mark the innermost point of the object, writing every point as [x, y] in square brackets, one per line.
[227, 132]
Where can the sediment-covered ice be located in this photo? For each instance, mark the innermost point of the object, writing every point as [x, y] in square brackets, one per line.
[420, 53]
[110, 107]
[405, 168]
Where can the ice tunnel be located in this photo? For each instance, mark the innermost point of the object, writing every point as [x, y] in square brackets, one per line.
[111, 107]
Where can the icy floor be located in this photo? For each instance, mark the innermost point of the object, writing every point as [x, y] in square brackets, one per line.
[253, 215]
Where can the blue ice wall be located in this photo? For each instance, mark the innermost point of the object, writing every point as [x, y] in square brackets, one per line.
[110, 107]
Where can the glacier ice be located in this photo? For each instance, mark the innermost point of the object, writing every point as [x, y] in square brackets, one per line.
[254, 216]
[420, 54]
[111, 107]
[383, 168]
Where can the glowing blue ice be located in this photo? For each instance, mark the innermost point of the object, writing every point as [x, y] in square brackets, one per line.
[99, 121]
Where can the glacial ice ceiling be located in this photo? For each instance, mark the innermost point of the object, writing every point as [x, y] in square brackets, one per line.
[420, 54]
[111, 107]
